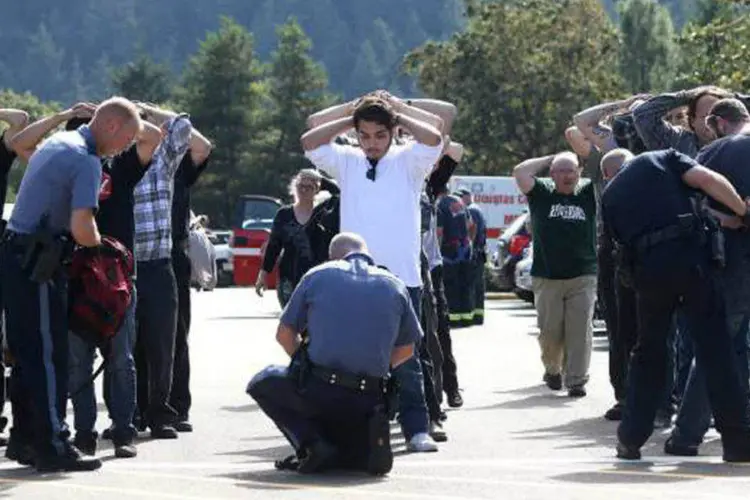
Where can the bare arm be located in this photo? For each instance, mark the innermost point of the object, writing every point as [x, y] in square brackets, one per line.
[147, 142]
[25, 142]
[331, 114]
[323, 134]
[727, 221]
[526, 172]
[84, 229]
[455, 150]
[445, 110]
[401, 107]
[200, 147]
[401, 355]
[589, 121]
[16, 119]
[578, 142]
[717, 187]
[289, 339]
[423, 133]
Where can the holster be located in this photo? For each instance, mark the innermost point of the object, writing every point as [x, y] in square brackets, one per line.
[300, 367]
[44, 253]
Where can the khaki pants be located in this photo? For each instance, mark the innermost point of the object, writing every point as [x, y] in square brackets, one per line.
[565, 309]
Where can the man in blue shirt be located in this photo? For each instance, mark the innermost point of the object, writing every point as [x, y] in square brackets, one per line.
[58, 197]
[479, 253]
[360, 325]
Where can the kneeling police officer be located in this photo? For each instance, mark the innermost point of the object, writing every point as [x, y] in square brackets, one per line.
[54, 210]
[331, 402]
[671, 250]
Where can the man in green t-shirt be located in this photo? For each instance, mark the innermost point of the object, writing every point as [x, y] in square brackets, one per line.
[563, 221]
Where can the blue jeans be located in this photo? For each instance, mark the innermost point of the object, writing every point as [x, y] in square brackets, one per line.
[119, 381]
[411, 399]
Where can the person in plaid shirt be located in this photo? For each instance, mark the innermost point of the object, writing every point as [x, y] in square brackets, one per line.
[156, 310]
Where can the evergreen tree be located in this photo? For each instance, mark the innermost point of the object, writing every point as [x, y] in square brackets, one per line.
[648, 50]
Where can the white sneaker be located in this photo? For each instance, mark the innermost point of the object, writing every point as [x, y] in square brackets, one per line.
[422, 443]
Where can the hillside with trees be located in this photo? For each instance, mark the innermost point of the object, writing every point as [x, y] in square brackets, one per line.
[518, 70]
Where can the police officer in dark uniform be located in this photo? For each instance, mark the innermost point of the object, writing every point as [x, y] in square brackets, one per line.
[479, 252]
[56, 200]
[455, 245]
[672, 251]
[330, 402]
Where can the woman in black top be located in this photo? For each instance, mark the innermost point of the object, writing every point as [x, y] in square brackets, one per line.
[297, 235]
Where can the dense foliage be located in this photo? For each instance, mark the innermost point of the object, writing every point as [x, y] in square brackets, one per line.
[517, 69]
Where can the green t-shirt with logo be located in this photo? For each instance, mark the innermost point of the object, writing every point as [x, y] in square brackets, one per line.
[563, 230]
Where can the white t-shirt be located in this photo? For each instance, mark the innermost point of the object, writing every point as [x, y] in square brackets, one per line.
[385, 212]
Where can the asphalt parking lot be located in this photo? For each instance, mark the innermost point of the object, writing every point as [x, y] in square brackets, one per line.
[513, 439]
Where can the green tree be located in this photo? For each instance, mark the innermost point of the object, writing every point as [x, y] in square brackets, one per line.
[297, 88]
[36, 110]
[648, 49]
[223, 93]
[144, 80]
[518, 73]
[717, 52]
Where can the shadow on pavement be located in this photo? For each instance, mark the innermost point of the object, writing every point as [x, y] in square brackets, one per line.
[262, 454]
[505, 305]
[282, 480]
[11, 478]
[544, 398]
[251, 407]
[646, 472]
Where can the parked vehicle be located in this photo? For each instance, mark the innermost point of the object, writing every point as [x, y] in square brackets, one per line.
[510, 250]
[523, 288]
[224, 262]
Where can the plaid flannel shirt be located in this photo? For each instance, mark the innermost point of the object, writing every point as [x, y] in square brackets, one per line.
[153, 195]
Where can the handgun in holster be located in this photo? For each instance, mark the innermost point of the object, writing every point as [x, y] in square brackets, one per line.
[300, 367]
[45, 252]
[716, 239]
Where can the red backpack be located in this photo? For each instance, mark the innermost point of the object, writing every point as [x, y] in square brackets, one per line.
[99, 290]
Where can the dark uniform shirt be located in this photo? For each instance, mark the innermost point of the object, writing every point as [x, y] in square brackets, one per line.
[185, 178]
[7, 157]
[453, 218]
[115, 217]
[480, 240]
[355, 314]
[646, 196]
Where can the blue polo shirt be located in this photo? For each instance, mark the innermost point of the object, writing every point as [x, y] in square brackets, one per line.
[64, 174]
[355, 314]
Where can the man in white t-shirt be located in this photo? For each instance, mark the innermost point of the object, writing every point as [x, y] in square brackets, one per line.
[381, 183]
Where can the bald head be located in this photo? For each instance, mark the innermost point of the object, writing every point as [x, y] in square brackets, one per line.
[344, 244]
[115, 125]
[565, 172]
[564, 161]
[613, 161]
